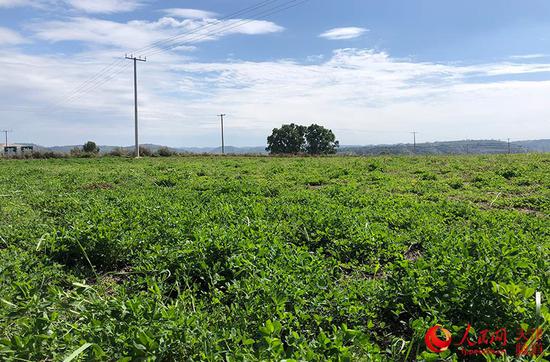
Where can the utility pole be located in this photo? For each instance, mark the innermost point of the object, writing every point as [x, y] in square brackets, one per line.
[6, 131]
[131, 57]
[223, 142]
[414, 139]
[509, 147]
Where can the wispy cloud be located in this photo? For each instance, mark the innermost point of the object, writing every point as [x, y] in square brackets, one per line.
[88, 6]
[529, 56]
[189, 13]
[17, 3]
[105, 6]
[10, 37]
[13, 3]
[136, 34]
[343, 33]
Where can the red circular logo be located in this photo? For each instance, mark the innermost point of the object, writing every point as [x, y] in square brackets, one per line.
[434, 342]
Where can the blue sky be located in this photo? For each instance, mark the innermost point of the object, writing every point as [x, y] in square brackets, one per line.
[371, 70]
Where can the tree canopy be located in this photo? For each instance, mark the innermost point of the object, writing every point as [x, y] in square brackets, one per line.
[90, 147]
[320, 141]
[287, 139]
[294, 139]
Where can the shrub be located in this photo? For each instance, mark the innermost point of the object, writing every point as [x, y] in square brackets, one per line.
[165, 152]
[47, 154]
[76, 152]
[118, 152]
[145, 152]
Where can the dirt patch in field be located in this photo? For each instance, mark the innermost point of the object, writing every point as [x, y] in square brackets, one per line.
[414, 252]
[526, 210]
[315, 187]
[522, 209]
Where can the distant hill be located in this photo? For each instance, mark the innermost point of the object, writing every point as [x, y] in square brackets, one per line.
[433, 148]
[535, 145]
[450, 148]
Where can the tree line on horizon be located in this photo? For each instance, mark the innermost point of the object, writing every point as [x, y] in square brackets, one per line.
[293, 139]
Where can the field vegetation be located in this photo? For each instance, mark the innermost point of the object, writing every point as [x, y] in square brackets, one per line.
[236, 258]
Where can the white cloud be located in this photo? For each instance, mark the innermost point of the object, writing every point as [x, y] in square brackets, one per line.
[529, 56]
[13, 3]
[88, 6]
[134, 34]
[18, 3]
[10, 37]
[189, 13]
[105, 6]
[137, 34]
[185, 48]
[343, 33]
[254, 27]
[364, 95]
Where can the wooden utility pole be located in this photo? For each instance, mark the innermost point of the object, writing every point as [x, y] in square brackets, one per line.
[414, 141]
[6, 131]
[223, 142]
[131, 57]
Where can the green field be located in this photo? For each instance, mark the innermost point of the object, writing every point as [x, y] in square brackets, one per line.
[235, 258]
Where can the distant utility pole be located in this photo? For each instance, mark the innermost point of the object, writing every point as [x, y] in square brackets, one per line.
[223, 142]
[6, 131]
[414, 141]
[131, 57]
[509, 147]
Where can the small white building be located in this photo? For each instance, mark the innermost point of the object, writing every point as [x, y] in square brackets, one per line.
[15, 149]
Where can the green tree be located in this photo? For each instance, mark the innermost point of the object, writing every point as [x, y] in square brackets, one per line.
[289, 139]
[90, 147]
[320, 141]
[293, 139]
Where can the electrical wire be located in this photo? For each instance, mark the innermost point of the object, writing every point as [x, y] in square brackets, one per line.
[288, 5]
[96, 85]
[230, 16]
[108, 73]
[114, 67]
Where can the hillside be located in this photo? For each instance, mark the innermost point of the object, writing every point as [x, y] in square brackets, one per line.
[449, 148]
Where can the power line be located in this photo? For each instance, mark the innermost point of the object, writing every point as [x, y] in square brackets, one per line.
[116, 67]
[286, 6]
[282, 7]
[89, 83]
[112, 68]
[95, 86]
[110, 71]
[232, 15]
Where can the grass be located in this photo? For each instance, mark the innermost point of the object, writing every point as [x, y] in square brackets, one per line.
[235, 258]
